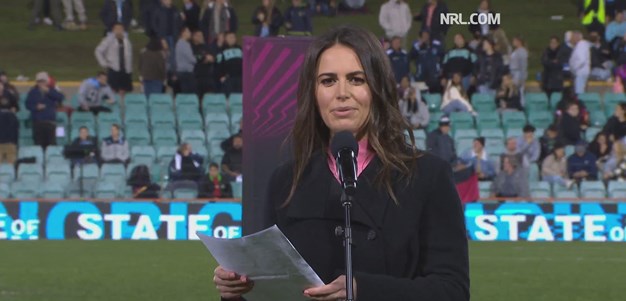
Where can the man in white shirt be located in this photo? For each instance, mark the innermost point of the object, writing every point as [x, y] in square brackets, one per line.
[395, 18]
[580, 61]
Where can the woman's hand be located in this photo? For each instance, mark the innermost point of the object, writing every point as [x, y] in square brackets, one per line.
[230, 285]
[332, 291]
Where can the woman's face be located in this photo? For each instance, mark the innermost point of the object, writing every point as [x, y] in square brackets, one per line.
[560, 152]
[487, 46]
[601, 139]
[459, 41]
[619, 112]
[456, 79]
[342, 93]
[554, 44]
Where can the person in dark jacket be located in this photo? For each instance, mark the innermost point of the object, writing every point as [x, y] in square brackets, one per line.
[166, 24]
[549, 139]
[87, 144]
[439, 142]
[459, 59]
[430, 16]
[204, 70]
[152, 69]
[427, 55]
[232, 160]
[9, 134]
[399, 59]
[9, 89]
[191, 14]
[116, 11]
[8, 100]
[230, 65]
[508, 96]
[571, 128]
[186, 165]
[141, 183]
[581, 165]
[601, 147]
[615, 127]
[483, 30]
[226, 20]
[552, 60]
[298, 19]
[489, 68]
[42, 102]
[214, 185]
[145, 15]
[267, 19]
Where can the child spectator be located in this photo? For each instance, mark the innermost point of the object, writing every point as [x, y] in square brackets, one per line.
[615, 127]
[191, 15]
[528, 146]
[571, 128]
[427, 56]
[298, 19]
[213, 185]
[399, 59]
[581, 165]
[42, 103]
[552, 60]
[412, 106]
[217, 17]
[459, 59]
[185, 63]
[94, 93]
[152, 69]
[454, 98]
[114, 148]
[395, 19]
[232, 160]
[230, 65]
[554, 167]
[508, 96]
[267, 19]
[116, 11]
[489, 68]
[115, 54]
[511, 182]
[478, 158]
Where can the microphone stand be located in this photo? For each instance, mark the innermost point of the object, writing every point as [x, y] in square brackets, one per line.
[346, 201]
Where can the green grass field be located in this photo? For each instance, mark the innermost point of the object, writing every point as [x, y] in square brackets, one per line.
[69, 55]
[162, 270]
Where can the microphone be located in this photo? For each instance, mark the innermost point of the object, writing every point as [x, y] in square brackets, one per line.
[345, 150]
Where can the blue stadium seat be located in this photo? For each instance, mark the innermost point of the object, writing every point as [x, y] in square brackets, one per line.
[74, 190]
[137, 135]
[540, 119]
[591, 100]
[164, 137]
[213, 98]
[89, 172]
[187, 100]
[52, 190]
[535, 102]
[237, 189]
[185, 193]
[79, 119]
[215, 148]
[162, 120]
[160, 99]
[591, 133]
[485, 189]
[514, 132]
[30, 172]
[190, 121]
[617, 189]
[106, 120]
[34, 151]
[235, 98]
[433, 100]
[236, 108]
[112, 172]
[143, 154]
[566, 194]
[135, 99]
[488, 120]
[513, 119]
[25, 190]
[136, 119]
[107, 190]
[5, 191]
[59, 173]
[7, 173]
[483, 103]
[193, 136]
[214, 108]
[166, 153]
[611, 100]
[461, 120]
[597, 118]
[213, 119]
[533, 173]
[592, 189]
[540, 189]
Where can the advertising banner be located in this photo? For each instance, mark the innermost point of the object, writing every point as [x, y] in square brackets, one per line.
[32, 220]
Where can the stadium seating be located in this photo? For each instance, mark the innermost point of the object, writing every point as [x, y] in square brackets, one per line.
[30, 172]
[190, 120]
[185, 193]
[597, 118]
[5, 191]
[535, 102]
[540, 119]
[106, 190]
[540, 190]
[235, 98]
[461, 120]
[433, 100]
[143, 154]
[112, 172]
[79, 119]
[617, 189]
[533, 173]
[237, 189]
[513, 119]
[592, 189]
[166, 153]
[25, 189]
[7, 173]
[483, 103]
[137, 135]
[135, 99]
[484, 188]
[52, 190]
[187, 100]
[488, 120]
[591, 133]
[87, 172]
[162, 120]
[164, 137]
[58, 173]
[160, 99]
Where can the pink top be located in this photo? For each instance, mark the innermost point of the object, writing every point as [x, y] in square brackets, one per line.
[365, 156]
[429, 17]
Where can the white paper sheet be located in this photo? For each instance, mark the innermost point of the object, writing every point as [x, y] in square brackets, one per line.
[270, 260]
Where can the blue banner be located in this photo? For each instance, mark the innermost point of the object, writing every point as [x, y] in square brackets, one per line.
[136, 220]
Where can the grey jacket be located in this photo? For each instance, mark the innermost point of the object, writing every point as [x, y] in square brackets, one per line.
[92, 93]
[519, 66]
[114, 150]
[185, 60]
[107, 54]
[419, 118]
[520, 187]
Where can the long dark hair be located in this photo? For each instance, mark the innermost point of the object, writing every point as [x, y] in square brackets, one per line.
[385, 127]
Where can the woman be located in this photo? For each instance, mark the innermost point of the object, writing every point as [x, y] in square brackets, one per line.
[141, 183]
[346, 83]
[413, 106]
[490, 68]
[601, 147]
[615, 127]
[554, 167]
[615, 167]
[459, 59]
[552, 61]
[455, 99]
[267, 19]
[519, 63]
[152, 67]
[508, 95]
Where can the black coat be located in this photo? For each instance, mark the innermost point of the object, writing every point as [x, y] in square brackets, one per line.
[165, 22]
[490, 69]
[274, 25]
[108, 14]
[437, 29]
[192, 17]
[414, 250]
[552, 77]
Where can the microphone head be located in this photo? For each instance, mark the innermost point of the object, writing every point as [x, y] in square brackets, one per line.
[343, 140]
